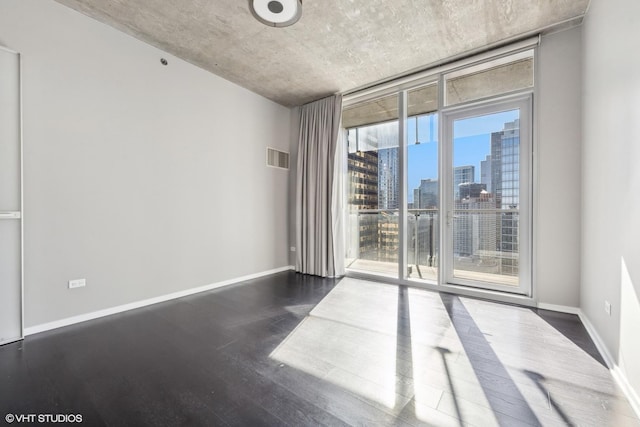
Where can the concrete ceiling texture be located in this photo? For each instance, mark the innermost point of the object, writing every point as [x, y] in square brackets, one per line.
[337, 45]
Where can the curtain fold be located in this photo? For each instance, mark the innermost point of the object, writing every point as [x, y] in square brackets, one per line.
[319, 182]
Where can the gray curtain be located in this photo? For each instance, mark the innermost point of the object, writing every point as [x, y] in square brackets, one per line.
[315, 202]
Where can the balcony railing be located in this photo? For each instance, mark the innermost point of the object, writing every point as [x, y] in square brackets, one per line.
[485, 243]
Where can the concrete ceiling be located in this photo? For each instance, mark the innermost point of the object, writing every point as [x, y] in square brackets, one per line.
[338, 45]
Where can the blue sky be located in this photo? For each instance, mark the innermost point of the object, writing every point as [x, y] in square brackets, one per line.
[472, 143]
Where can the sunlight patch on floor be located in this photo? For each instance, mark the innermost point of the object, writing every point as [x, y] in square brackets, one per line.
[443, 360]
[397, 349]
[349, 340]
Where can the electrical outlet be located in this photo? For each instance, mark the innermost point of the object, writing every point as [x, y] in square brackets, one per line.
[292, 248]
[607, 307]
[77, 283]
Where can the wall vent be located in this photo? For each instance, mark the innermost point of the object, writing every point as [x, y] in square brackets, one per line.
[277, 159]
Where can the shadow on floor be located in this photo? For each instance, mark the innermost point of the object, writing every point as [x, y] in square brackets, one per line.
[570, 326]
[478, 351]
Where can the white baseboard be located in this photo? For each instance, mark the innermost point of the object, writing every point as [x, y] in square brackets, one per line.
[628, 390]
[559, 308]
[617, 373]
[604, 351]
[138, 304]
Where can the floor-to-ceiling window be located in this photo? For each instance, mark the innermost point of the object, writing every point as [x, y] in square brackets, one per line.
[440, 178]
[374, 186]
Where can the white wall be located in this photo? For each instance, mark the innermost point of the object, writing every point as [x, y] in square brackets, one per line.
[142, 178]
[611, 179]
[557, 163]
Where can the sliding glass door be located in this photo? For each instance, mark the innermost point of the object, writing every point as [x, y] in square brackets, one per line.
[487, 196]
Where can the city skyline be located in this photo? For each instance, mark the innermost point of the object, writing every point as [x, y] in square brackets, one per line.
[472, 143]
[485, 228]
[471, 146]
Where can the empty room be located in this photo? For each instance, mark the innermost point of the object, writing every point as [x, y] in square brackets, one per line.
[304, 212]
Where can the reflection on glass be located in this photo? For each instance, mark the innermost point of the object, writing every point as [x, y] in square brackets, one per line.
[486, 183]
[490, 80]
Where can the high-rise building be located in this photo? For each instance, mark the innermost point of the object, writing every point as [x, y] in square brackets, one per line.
[471, 190]
[375, 188]
[505, 178]
[462, 175]
[505, 165]
[363, 180]
[470, 227]
[428, 194]
[485, 173]
[363, 195]
[388, 178]
[416, 198]
[422, 229]
[510, 164]
[474, 230]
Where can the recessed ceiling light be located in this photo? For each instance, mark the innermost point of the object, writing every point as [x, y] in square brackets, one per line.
[276, 13]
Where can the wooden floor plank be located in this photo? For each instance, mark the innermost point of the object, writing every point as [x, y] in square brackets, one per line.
[296, 350]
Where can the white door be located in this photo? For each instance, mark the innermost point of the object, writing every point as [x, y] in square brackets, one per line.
[11, 328]
[487, 192]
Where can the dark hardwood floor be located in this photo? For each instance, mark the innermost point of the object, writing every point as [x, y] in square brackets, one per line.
[297, 350]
